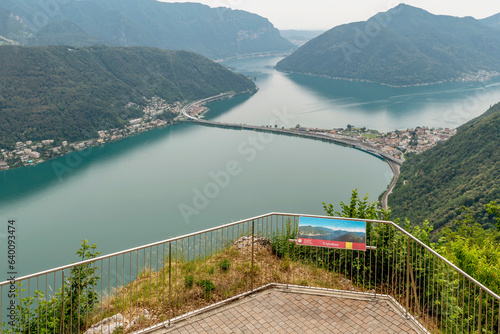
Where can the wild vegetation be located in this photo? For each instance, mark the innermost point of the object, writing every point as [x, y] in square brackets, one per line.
[463, 171]
[62, 93]
[185, 285]
[66, 310]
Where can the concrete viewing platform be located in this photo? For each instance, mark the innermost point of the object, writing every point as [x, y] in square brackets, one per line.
[299, 311]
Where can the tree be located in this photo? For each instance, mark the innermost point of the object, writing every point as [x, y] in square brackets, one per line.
[472, 248]
[494, 209]
[358, 208]
[68, 309]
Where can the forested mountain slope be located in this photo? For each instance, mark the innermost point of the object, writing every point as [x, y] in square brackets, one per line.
[463, 171]
[62, 93]
[212, 32]
[404, 46]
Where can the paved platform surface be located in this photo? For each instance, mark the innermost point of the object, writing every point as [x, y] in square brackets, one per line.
[278, 311]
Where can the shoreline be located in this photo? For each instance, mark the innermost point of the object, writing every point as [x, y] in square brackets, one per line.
[354, 140]
[91, 146]
[135, 127]
[490, 76]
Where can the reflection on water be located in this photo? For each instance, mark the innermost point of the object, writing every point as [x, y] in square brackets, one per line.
[327, 103]
[130, 192]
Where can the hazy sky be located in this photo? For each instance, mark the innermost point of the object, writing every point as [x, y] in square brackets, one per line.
[325, 14]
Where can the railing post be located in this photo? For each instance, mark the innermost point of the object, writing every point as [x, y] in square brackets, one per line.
[169, 282]
[408, 276]
[62, 306]
[480, 310]
[253, 239]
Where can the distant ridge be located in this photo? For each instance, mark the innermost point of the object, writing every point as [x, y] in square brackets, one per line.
[213, 32]
[492, 21]
[404, 46]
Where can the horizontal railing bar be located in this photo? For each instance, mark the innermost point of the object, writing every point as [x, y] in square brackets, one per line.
[367, 247]
[329, 217]
[446, 261]
[409, 235]
[248, 220]
[68, 266]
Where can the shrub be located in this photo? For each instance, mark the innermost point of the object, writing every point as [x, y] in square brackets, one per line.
[224, 264]
[207, 285]
[188, 281]
[71, 305]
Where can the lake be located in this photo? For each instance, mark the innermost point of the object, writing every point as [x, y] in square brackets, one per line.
[187, 177]
[327, 103]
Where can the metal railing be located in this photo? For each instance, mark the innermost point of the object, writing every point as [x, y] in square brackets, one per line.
[160, 283]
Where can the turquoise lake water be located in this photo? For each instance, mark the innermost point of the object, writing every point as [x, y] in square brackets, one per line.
[136, 190]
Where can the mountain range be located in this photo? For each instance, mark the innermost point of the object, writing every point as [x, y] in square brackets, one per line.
[462, 171]
[492, 21]
[213, 32]
[62, 93]
[403, 46]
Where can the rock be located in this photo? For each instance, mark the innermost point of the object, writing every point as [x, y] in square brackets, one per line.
[247, 242]
[136, 319]
[108, 325]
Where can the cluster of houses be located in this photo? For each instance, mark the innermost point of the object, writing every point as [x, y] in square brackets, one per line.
[398, 142]
[156, 106]
[135, 126]
[480, 76]
[28, 153]
[394, 143]
[411, 140]
[31, 153]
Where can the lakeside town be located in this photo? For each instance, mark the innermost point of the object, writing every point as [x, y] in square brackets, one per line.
[396, 143]
[158, 113]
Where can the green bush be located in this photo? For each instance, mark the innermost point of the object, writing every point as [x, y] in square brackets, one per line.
[206, 284]
[188, 281]
[224, 265]
[68, 310]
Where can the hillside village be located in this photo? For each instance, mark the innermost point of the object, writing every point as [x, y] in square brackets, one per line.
[157, 113]
[396, 143]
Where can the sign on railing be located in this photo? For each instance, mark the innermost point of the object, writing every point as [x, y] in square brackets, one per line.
[332, 233]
